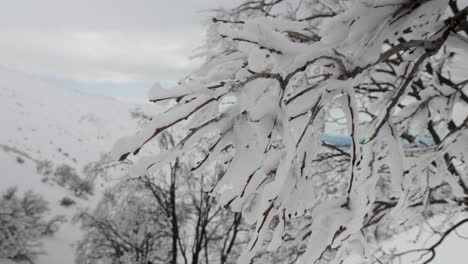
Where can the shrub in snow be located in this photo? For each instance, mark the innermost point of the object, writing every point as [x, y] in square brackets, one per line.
[66, 176]
[23, 224]
[67, 202]
[45, 168]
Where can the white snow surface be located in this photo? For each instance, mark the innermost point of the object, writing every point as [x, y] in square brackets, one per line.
[45, 122]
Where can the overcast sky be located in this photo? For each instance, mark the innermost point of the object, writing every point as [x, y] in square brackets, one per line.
[115, 47]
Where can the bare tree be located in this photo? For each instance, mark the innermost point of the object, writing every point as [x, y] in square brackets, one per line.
[161, 218]
[201, 231]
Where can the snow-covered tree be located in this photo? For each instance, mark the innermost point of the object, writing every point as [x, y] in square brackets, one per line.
[126, 227]
[23, 225]
[281, 75]
[164, 217]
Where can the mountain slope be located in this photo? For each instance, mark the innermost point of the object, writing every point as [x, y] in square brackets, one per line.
[45, 128]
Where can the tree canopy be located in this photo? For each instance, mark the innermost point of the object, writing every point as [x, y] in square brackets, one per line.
[281, 75]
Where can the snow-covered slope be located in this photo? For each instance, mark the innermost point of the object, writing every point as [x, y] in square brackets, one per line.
[31, 110]
[44, 127]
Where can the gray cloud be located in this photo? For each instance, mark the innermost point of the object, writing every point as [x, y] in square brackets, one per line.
[103, 40]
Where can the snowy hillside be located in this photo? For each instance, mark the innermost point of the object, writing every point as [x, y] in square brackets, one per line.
[45, 129]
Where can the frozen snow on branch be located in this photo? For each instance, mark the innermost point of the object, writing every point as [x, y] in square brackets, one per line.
[270, 85]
